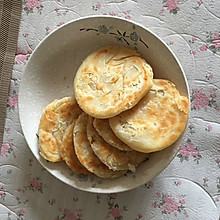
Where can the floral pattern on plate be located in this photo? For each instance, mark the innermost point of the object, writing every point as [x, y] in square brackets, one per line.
[128, 38]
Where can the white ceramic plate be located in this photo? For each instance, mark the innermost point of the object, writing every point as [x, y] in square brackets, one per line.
[49, 74]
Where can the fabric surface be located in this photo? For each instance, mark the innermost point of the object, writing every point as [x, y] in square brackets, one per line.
[189, 188]
[10, 14]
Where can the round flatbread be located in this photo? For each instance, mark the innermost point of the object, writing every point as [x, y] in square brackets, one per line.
[85, 153]
[112, 157]
[56, 118]
[156, 121]
[68, 152]
[111, 80]
[104, 130]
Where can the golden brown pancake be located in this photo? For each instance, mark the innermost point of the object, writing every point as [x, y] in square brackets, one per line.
[68, 152]
[103, 128]
[112, 157]
[56, 118]
[85, 153]
[111, 80]
[156, 121]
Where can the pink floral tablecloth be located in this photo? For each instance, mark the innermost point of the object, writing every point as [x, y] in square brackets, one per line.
[189, 188]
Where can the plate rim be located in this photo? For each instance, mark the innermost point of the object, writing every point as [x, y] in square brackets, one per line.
[90, 189]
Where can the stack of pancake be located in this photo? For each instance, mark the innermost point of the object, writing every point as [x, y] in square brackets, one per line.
[118, 116]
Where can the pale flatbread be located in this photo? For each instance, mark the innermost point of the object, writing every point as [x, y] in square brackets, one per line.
[112, 157]
[111, 80]
[103, 128]
[156, 121]
[56, 118]
[85, 153]
[68, 152]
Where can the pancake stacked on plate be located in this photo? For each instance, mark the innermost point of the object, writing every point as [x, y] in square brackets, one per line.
[118, 116]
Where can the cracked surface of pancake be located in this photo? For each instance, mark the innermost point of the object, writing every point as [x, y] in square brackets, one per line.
[68, 152]
[56, 118]
[103, 128]
[156, 121]
[112, 157]
[85, 153]
[111, 80]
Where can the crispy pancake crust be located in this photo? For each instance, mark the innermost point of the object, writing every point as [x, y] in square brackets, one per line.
[103, 128]
[68, 152]
[85, 153]
[156, 121]
[112, 157]
[111, 80]
[56, 118]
